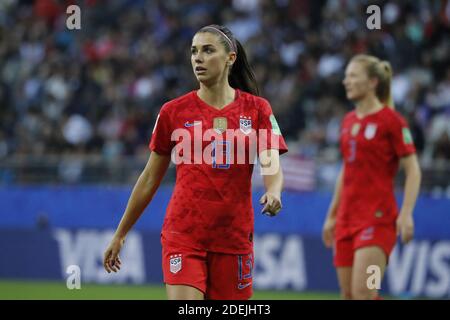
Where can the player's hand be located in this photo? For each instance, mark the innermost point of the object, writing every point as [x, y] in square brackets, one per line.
[328, 231]
[405, 227]
[111, 260]
[272, 204]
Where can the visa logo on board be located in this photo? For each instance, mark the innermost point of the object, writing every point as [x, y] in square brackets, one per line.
[421, 268]
[85, 248]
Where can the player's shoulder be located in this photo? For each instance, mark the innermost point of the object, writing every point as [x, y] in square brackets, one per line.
[251, 100]
[392, 116]
[179, 102]
[349, 116]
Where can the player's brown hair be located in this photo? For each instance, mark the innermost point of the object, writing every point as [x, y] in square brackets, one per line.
[382, 70]
[241, 75]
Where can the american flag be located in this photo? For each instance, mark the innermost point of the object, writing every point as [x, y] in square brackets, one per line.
[299, 173]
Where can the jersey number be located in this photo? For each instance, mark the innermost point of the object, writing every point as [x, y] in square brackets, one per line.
[241, 266]
[352, 155]
[225, 147]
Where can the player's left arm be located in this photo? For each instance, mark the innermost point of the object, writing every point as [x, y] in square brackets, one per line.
[273, 181]
[405, 221]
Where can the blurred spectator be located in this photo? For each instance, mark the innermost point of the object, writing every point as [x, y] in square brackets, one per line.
[97, 91]
[441, 150]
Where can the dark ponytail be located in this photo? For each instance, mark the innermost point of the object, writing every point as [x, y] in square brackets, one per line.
[241, 75]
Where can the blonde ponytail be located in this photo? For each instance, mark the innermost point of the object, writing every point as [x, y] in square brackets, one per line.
[384, 86]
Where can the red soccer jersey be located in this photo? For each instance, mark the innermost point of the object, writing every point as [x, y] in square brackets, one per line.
[211, 205]
[371, 148]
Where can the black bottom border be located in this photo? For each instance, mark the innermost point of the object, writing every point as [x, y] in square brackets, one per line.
[263, 309]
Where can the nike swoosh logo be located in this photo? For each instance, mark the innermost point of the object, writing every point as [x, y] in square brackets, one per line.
[195, 123]
[243, 286]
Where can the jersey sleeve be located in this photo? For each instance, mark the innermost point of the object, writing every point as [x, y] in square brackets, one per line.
[271, 138]
[161, 136]
[402, 140]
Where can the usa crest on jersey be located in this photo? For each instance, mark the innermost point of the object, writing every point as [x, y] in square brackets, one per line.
[370, 131]
[175, 263]
[245, 124]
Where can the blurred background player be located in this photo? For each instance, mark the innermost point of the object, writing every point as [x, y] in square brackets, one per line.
[362, 221]
[207, 236]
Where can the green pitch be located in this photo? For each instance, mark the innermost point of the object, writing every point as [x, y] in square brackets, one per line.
[58, 290]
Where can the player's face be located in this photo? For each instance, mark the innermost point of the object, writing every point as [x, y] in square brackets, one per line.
[209, 58]
[357, 82]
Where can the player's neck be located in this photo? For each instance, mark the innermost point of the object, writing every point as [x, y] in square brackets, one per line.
[217, 95]
[368, 105]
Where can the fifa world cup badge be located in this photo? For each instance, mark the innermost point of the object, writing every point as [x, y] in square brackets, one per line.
[355, 129]
[275, 128]
[220, 124]
[407, 137]
[175, 263]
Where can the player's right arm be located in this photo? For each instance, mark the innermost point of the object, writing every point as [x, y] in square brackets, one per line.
[142, 194]
[330, 221]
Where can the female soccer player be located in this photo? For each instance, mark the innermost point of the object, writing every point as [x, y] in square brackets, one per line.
[362, 221]
[207, 235]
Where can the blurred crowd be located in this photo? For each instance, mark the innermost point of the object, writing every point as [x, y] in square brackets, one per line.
[98, 90]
